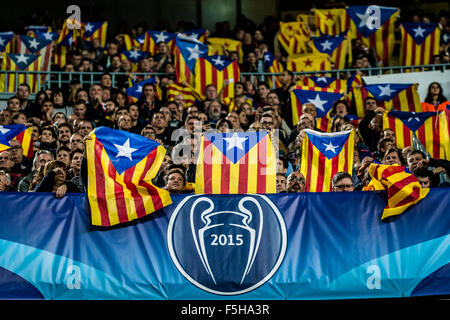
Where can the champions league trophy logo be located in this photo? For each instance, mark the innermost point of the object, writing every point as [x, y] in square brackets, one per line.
[229, 251]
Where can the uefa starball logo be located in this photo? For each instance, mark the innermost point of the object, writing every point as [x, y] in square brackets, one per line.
[227, 245]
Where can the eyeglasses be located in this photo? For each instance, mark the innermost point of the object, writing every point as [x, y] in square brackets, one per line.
[294, 178]
[267, 123]
[343, 186]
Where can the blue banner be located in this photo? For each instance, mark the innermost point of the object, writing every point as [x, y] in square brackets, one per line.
[221, 247]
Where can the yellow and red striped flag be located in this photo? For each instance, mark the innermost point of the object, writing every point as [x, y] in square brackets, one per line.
[215, 70]
[153, 38]
[17, 66]
[217, 46]
[335, 46]
[235, 163]
[131, 43]
[396, 96]
[444, 123]
[293, 37]
[330, 21]
[18, 132]
[424, 125]
[273, 65]
[187, 51]
[121, 167]
[403, 188]
[420, 41]
[309, 62]
[96, 30]
[189, 93]
[7, 43]
[323, 82]
[324, 155]
[356, 94]
[374, 28]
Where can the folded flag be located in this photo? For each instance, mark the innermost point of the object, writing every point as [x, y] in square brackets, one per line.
[403, 188]
[235, 163]
[121, 167]
[18, 132]
[189, 93]
[324, 155]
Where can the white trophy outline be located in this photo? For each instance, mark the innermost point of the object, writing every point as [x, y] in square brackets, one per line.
[206, 215]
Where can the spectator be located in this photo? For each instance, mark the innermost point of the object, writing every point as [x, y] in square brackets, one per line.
[435, 94]
[5, 181]
[280, 183]
[175, 181]
[342, 182]
[393, 156]
[40, 159]
[295, 182]
[6, 164]
[55, 180]
[425, 177]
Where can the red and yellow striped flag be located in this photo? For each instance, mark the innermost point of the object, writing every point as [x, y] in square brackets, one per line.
[215, 70]
[187, 51]
[7, 43]
[273, 65]
[153, 38]
[403, 188]
[335, 46]
[18, 66]
[293, 37]
[393, 96]
[130, 43]
[96, 30]
[20, 133]
[189, 93]
[444, 127]
[235, 163]
[330, 21]
[324, 155]
[217, 46]
[309, 62]
[357, 94]
[121, 167]
[420, 41]
[425, 125]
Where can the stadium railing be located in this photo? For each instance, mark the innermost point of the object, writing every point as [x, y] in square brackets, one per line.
[49, 79]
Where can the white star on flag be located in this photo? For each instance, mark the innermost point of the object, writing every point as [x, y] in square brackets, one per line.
[413, 118]
[330, 147]
[363, 18]
[48, 36]
[161, 37]
[386, 91]
[326, 45]
[218, 61]
[3, 130]
[22, 58]
[266, 57]
[318, 103]
[139, 89]
[125, 150]
[89, 27]
[134, 54]
[322, 79]
[2, 42]
[195, 52]
[418, 32]
[33, 43]
[235, 141]
[445, 37]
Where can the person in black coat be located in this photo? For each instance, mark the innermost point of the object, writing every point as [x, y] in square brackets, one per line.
[55, 180]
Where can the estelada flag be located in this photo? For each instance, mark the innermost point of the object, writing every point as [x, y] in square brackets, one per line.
[197, 34]
[37, 46]
[96, 30]
[444, 121]
[7, 42]
[273, 65]
[424, 125]
[397, 96]
[420, 42]
[362, 23]
[152, 38]
[324, 155]
[18, 132]
[335, 46]
[323, 82]
[403, 188]
[235, 163]
[309, 62]
[356, 94]
[134, 56]
[330, 21]
[134, 91]
[131, 43]
[293, 37]
[321, 98]
[187, 51]
[18, 66]
[121, 166]
[216, 70]
[217, 45]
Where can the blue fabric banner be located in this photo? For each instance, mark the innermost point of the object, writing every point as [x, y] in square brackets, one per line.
[221, 247]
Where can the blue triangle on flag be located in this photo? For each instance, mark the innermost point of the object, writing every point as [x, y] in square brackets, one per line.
[47, 35]
[323, 101]
[5, 39]
[91, 27]
[22, 60]
[134, 55]
[386, 91]
[124, 149]
[362, 16]
[191, 50]
[322, 82]
[9, 132]
[329, 144]
[161, 36]
[219, 62]
[419, 31]
[34, 44]
[327, 44]
[412, 120]
[234, 145]
[135, 91]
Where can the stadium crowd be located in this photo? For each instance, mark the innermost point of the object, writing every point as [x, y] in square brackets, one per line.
[62, 118]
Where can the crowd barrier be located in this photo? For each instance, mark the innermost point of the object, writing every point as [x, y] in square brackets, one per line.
[306, 246]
